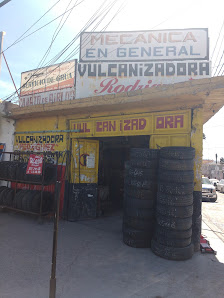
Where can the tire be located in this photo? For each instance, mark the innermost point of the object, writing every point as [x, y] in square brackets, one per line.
[176, 176]
[164, 232]
[172, 253]
[36, 203]
[2, 189]
[18, 198]
[139, 213]
[136, 243]
[176, 165]
[144, 164]
[21, 172]
[136, 238]
[174, 223]
[144, 153]
[140, 183]
[27, 200]
[176, 189]
[4, 194]
[197, 197]
[4, 169]
[174, 200]
[136, 234]
[12, 169]
[50, 173]
[173, 242]
[136, 203]
[178, 153]
[139, 224]
[141, 194]
[180, 212]
[10, 197]
[213, 200]
[141, 173]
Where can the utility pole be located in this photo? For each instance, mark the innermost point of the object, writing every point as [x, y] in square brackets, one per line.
[2, 33]
[4, 2]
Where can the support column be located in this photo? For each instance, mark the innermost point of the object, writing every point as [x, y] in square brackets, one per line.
[197, 143]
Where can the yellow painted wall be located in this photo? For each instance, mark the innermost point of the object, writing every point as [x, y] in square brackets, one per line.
[171, 128]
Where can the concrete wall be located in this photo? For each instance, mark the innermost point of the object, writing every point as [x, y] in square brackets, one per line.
[6, 134]
[6, 130]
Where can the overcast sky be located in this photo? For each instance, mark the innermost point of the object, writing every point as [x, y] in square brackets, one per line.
[18, 15]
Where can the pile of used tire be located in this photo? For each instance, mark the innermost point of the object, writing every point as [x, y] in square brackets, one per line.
[172, 237]
[196, 220]
[140, 189]
[14, 170]
[6, 196]
[29, 200]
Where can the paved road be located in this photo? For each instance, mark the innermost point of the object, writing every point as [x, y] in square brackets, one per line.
[213, 215]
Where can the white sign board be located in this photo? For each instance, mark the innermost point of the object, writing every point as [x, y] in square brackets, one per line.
[159, 45]
[54, 77]
[47, 97]
[94, 79]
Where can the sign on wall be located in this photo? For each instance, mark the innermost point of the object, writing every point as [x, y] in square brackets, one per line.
[94, 79]
[157, 45]
[49, 84]
[35, 164]
[45, 142]
[47, 97]
[128, 125]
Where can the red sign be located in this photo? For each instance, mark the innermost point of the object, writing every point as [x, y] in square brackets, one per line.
[35, 165]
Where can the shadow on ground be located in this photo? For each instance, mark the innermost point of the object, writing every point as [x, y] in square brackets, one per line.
[93, 262]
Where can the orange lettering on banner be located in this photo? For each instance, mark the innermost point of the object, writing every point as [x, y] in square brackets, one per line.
[166, 122]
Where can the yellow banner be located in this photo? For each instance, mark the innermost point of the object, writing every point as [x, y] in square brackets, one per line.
[129, 125]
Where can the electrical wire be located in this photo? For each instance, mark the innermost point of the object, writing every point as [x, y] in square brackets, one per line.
[217, 40]
[219, 50]
[75, 51]
[42, 26]
[77, 48]
[56, 32]
[219, 65]
[18, 39]
[91, 20]
[89, 23]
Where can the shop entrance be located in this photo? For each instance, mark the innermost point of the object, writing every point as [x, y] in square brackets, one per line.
[99, 165]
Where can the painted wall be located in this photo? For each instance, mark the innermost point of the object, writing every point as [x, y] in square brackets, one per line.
[6, 134]
[6, 130]
[167, 128]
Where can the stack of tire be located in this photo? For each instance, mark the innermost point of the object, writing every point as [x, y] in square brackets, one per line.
[196, 220]
[172, 237]
[6, 196]
[140, 189]
[29, 200]
[14, 170]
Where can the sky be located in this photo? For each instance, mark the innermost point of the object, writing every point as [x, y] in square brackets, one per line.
[18, 16]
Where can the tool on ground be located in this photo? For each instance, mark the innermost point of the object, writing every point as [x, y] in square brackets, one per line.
[205, 246]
